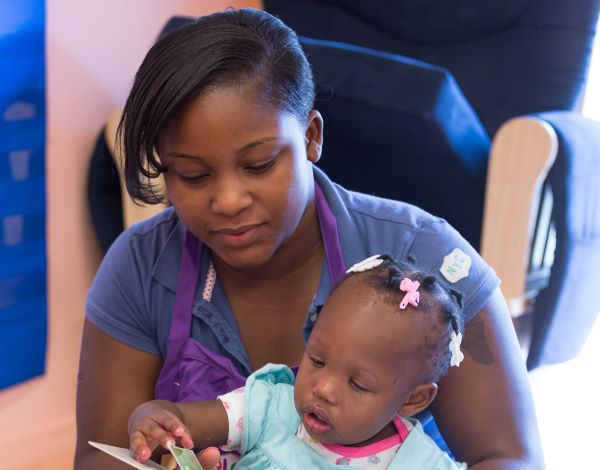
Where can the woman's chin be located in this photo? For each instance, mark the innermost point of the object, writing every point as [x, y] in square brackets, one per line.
[247, 259]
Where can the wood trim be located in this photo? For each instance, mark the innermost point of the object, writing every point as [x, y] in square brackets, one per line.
[523, 151]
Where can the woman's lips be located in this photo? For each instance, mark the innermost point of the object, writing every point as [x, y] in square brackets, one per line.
[237, 237]
[315, 421]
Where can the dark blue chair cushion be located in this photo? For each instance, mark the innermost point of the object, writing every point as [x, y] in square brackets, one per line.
[566, 309]
[509, 58]
[401, 129]
[430, 21]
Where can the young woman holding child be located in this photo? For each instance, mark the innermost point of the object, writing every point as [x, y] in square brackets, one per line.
[187, 304]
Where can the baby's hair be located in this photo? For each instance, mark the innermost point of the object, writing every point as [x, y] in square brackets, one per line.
[437, 299]
[233, 47]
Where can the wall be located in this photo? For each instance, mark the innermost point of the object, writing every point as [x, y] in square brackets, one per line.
[591, 101]
[93, 50]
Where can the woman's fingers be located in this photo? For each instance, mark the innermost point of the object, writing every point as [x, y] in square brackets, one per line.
[209, 458]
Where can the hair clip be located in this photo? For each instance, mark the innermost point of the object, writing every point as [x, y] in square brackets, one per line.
[366, 264]
[457, 355]
[412, 295]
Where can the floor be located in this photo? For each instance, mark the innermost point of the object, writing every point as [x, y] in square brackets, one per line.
[568, 409]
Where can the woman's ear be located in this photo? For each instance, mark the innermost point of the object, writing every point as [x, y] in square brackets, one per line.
[314, 136]
[419, 399]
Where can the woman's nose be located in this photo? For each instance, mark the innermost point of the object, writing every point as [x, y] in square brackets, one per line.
[230, 196]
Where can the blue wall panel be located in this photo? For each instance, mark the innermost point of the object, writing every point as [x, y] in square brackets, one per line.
[22, 191]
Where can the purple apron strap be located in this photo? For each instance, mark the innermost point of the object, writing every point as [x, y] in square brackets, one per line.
[331, 239]
[187, 284]
[181, 321]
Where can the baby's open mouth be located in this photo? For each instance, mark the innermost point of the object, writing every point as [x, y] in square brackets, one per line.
[315, 421]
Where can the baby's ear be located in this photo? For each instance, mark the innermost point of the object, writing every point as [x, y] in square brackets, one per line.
[419, 399]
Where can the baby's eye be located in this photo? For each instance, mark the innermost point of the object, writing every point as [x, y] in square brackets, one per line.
[316, 362]
[358, 387]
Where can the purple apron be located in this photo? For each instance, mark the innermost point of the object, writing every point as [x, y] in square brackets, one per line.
[193, 372]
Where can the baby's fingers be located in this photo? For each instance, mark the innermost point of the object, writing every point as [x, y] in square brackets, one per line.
[139, 446]
[182, 433]
[159, 430]
[176, 429]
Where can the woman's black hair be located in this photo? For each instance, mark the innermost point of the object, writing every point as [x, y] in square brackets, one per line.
[447, 309]
[226, 48]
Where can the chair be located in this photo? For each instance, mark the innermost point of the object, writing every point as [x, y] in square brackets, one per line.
[411, 92]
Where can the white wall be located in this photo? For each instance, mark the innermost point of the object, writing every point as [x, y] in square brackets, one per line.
[93, 50]
[591, 101]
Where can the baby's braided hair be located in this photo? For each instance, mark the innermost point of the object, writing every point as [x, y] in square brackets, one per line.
[443, 303]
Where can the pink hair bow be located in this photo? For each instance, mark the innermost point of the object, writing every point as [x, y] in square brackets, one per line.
[411, 296]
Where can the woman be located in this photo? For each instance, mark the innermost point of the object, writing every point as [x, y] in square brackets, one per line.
[188, 303]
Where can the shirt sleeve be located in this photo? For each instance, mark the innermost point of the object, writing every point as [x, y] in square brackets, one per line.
[438, 246]
[233, 402]
[117, 300]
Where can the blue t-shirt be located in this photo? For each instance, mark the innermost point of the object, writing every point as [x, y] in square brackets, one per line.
[132, 296]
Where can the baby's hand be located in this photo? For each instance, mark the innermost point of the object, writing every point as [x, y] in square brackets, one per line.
[152, 424]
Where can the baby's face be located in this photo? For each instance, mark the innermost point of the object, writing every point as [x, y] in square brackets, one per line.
[359, 367]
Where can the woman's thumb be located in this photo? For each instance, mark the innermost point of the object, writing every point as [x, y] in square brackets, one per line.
[209, 458]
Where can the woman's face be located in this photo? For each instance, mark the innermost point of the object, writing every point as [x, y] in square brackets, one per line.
[239, 174]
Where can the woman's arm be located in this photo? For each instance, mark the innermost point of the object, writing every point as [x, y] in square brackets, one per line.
[484, 408]
[113, 379]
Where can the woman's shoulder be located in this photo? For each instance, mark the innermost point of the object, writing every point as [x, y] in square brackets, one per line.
[153, 228]
[387, 210]
[371, 209]
[150, 249]
[147, 239]
[398, 227]
[369, 224]
[133, 286]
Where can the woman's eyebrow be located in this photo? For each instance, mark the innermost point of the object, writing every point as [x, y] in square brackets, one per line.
[257, 143]
[185, 156]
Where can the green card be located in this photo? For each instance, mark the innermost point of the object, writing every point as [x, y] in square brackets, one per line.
[185, 458]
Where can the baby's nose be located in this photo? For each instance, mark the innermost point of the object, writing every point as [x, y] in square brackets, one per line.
[326, 390]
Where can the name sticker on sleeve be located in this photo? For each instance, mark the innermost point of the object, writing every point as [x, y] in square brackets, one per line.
[456, 265]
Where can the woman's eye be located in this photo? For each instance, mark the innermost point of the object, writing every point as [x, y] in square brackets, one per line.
[263, 167]
[358, 387]
[193, 179]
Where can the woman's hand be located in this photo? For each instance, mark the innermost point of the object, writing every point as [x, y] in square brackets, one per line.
[156, 423]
